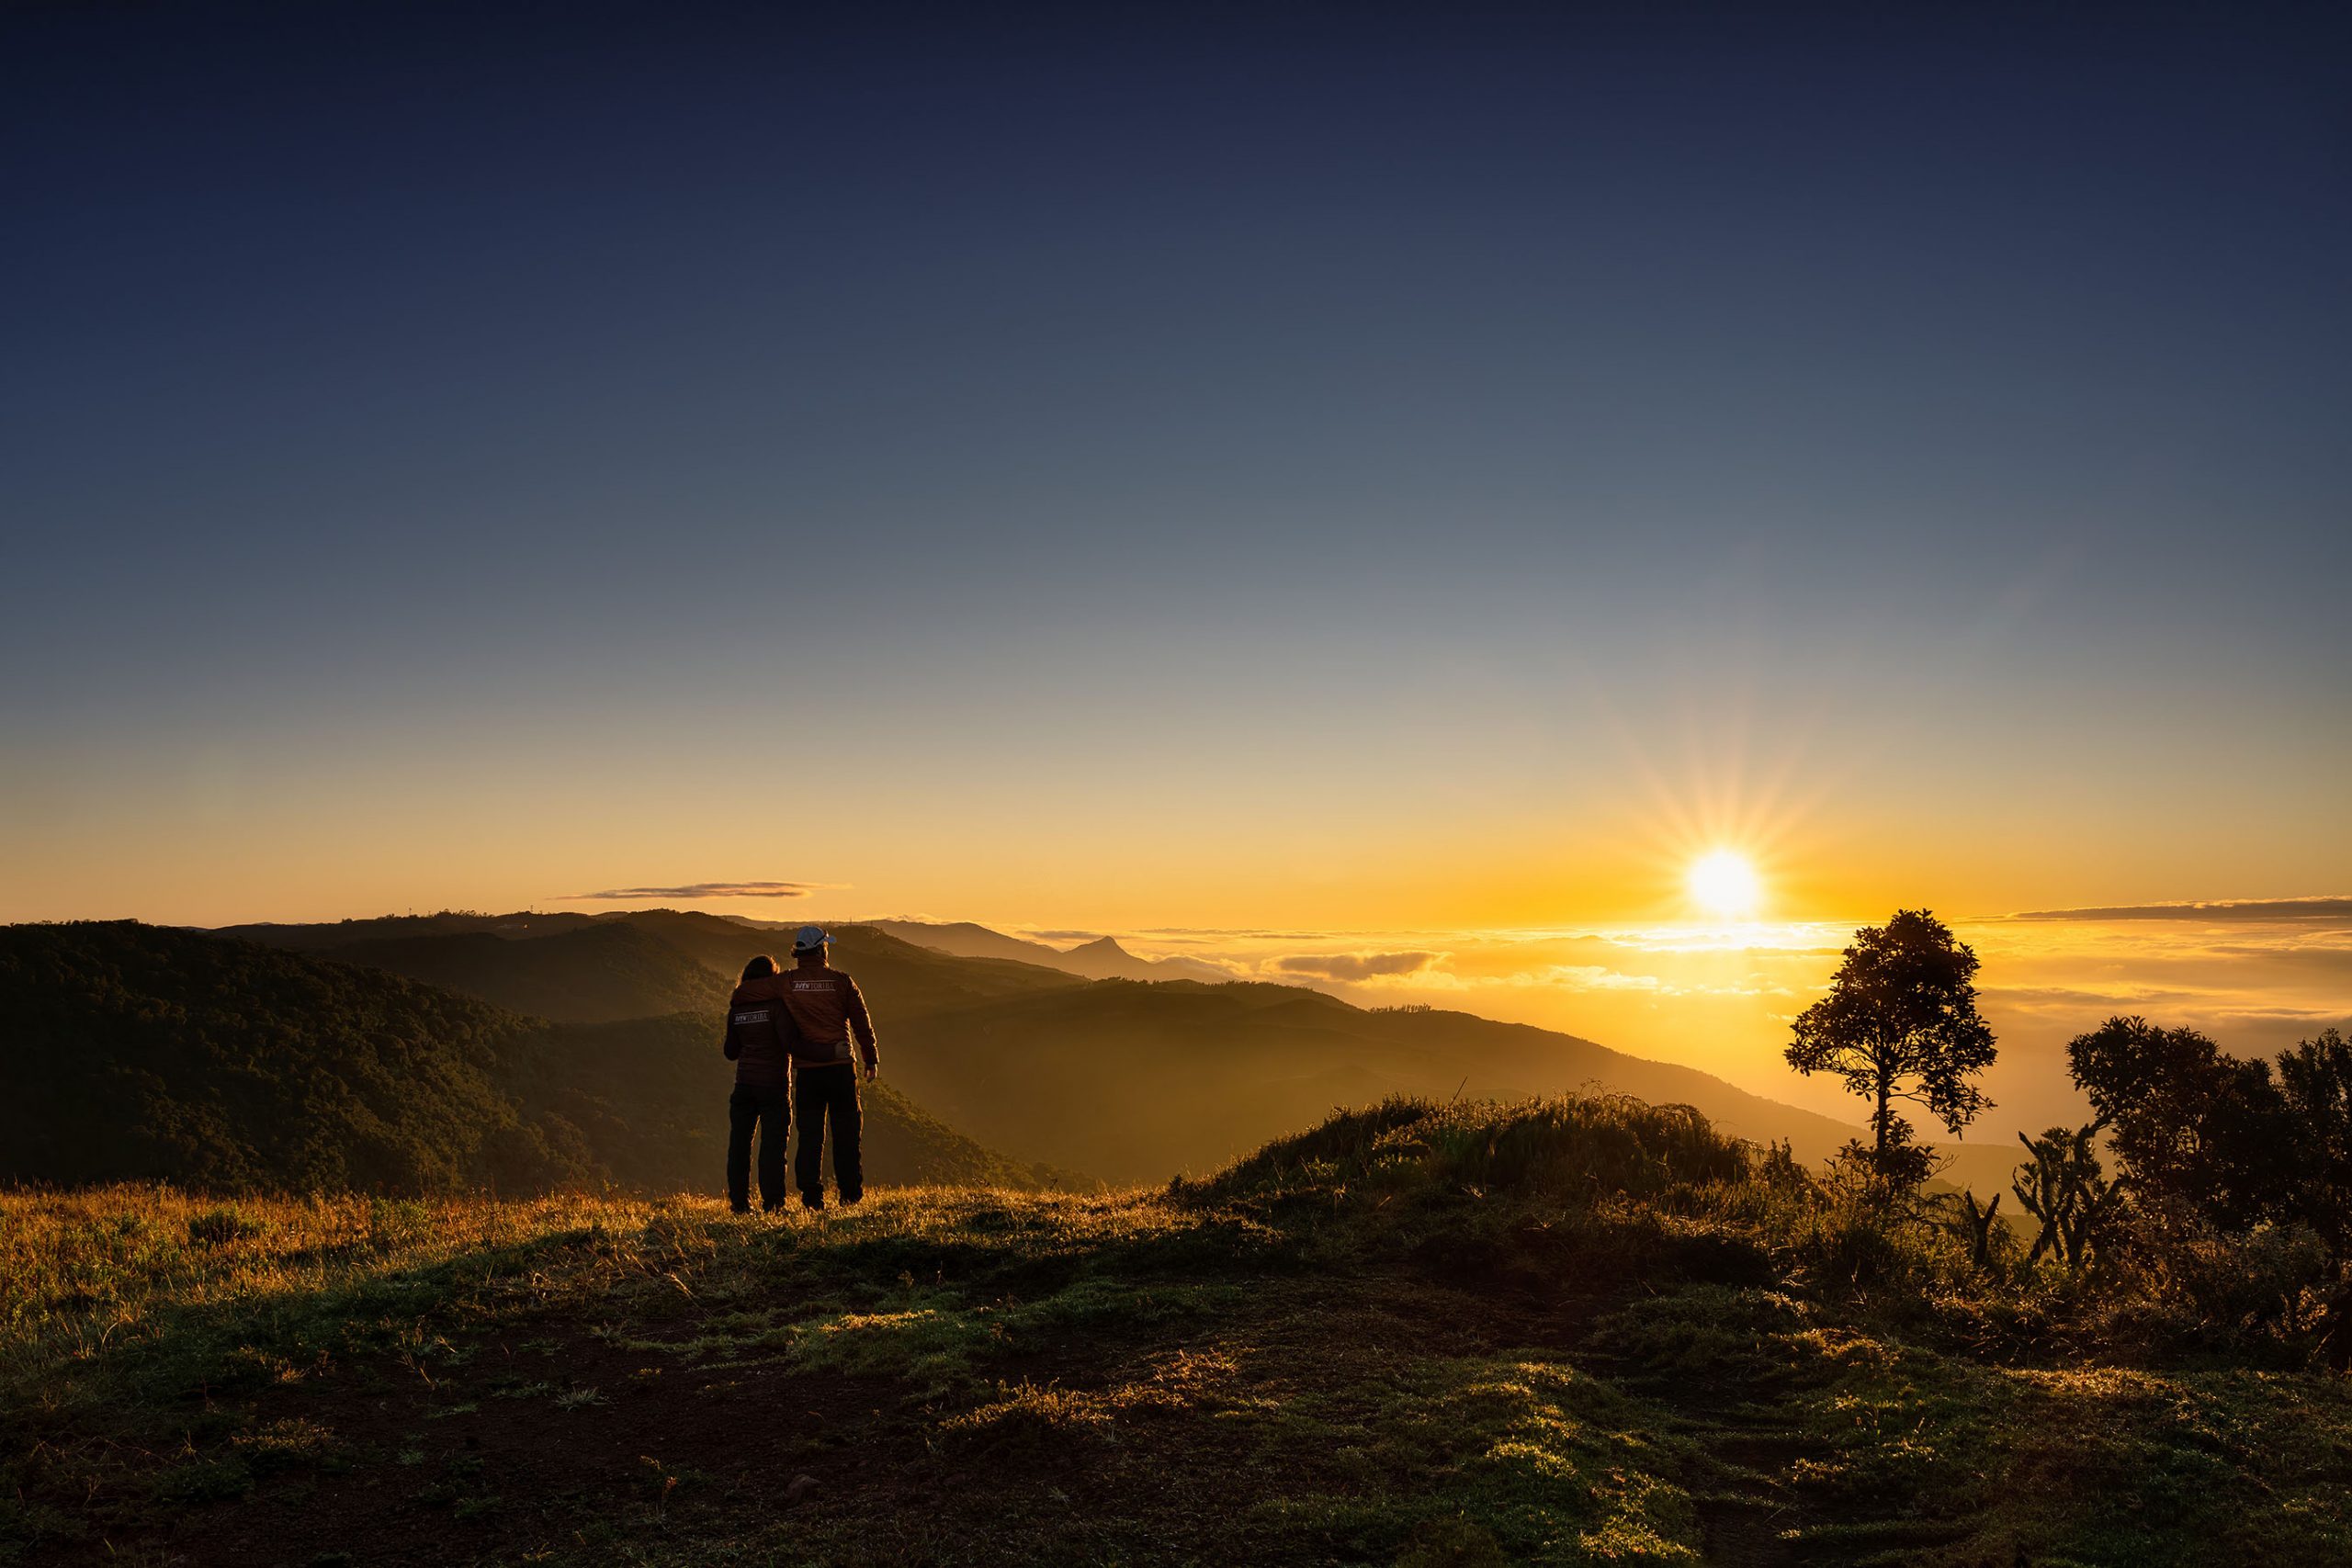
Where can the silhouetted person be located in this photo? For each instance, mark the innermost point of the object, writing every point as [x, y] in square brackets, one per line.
[836, 1035]
[759, 1041]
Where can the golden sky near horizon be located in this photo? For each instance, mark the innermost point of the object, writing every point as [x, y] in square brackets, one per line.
[1596, 930]
[1547, 822]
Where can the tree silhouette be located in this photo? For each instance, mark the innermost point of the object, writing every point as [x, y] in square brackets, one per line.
[2065, 1187]
[2203, 1136]
[2316, 1080]
[1900, 1022]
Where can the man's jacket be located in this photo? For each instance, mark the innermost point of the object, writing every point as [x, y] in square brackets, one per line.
[830, 1015]
[761, 1038]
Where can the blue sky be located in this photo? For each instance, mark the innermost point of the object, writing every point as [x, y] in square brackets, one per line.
[1149, 465]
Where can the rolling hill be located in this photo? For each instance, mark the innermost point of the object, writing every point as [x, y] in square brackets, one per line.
[316, 936]
[1292, 1053]
[1131, 1081]
[646, 1095]
[587, 973]
[131, 1052]
[1100, 959]
[603, 968]
[1124, 1081]
[1105, 959]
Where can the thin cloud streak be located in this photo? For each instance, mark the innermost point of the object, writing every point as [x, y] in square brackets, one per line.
[2319, 909]
[1357, 966]
[707, 890]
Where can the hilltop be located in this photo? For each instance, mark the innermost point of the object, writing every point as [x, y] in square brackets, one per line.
[1105, 959]
[1568, 1332]
[605, 969]
[1101, 958]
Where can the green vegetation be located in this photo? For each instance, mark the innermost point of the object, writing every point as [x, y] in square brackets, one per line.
[2231, 1187]
[641, 964]
[1570, 1331]
[1900, 1023]
[133, 1052]
[593, 973]
[1584, 1329]
[1124, 1081]
[647, 1098]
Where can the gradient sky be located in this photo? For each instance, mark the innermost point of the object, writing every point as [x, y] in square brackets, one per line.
[1350, 469]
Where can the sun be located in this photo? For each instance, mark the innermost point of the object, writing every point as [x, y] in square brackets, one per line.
[1725, 884]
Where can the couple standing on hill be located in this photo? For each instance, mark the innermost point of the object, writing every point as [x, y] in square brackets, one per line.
[797, 1030]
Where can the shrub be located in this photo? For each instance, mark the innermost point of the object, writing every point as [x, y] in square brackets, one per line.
[1571, 1146]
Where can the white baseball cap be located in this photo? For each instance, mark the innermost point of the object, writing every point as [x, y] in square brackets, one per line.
[808, 939]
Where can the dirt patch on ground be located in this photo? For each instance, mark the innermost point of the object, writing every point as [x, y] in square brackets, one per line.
[554, 1438]
[545, 1437]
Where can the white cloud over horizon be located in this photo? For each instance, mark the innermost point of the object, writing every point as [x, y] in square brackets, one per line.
[1721, 999]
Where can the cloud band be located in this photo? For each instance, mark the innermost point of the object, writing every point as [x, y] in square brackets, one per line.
[709, 890]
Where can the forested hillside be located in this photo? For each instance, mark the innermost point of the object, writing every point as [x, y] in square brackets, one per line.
[131, 1052]
[1124, 1081]
[1132, 1081]
[601, 968]
[591, 973]
[647, 1096]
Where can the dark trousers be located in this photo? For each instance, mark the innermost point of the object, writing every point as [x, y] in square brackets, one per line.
[824, 1093]
[769, 1110]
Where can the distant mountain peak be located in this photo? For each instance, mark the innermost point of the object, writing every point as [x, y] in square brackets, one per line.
[1102, 946]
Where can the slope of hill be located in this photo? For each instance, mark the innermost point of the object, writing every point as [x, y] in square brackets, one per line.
[1105, 959]
[962, 939]
[915, 979]
[130, 1052]
[583, 974]
[1125, 1082]
[640, 963]
[648, 1095]
[1559, 1334]
[1101, 959]
[1130, 1082]
[315, 937]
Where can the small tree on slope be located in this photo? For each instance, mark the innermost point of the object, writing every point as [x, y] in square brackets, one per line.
[1900, 1022]
[2065, 1187]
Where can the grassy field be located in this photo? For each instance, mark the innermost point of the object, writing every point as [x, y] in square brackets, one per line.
[1569, 1332]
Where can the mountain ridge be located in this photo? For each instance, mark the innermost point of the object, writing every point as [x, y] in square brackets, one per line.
[1100, 958]
[1126, 1080]
[132, 1052]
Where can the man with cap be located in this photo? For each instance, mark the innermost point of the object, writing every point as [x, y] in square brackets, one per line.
[836, 1039]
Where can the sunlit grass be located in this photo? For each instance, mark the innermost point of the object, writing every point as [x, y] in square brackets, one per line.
[94, 1283]
[1566, 1331]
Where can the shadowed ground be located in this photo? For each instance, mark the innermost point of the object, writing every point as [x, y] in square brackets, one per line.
[1579, 1331]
